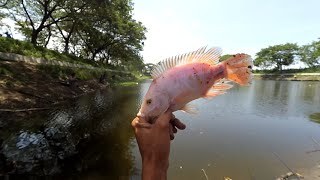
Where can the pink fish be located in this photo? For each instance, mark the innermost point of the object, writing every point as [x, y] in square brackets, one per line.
[181, 79]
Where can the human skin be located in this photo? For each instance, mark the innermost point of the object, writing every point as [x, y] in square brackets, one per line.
[154, 144]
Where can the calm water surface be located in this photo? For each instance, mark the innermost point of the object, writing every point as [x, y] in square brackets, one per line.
[233, 135]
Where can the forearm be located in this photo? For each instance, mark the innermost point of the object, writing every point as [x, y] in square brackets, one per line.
[154, 169]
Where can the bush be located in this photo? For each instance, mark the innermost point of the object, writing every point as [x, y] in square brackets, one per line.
[5, 70]
[8, 45]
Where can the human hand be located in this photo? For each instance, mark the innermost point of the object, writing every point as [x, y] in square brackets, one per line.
[154, 143]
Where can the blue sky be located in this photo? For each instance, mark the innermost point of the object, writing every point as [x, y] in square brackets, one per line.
[179, 26]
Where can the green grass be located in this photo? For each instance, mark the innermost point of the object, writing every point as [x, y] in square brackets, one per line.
[8, 45]
[315, 117]
[64, 72]
[25, 48]
[133, 82]
[127, 83]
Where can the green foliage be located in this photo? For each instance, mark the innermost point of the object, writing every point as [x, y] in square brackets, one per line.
[64, 72]
[101, 31]
[225, 57]
[310, 54]
[315, 117]
[277, 56]
[275, 71]
[8, 45]
[5, 70]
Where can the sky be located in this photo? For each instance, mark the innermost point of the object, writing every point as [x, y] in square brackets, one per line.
[237, 26]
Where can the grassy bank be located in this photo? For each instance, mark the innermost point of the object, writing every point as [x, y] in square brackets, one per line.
[8, 45]
[25, 86]
[289, 76]
[288, 71]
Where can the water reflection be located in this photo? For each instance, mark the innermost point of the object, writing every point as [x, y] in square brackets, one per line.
[94, 130]
[233, 135]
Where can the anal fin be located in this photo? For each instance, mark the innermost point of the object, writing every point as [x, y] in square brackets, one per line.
[213, 93]
[218, 88]
[190, 108]
[222, 87]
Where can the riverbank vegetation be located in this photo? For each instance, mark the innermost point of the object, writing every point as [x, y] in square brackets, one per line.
[315, 117]
[273, 59]
[24, 85]
[100, 33]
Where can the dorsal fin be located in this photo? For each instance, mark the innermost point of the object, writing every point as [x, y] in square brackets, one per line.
[210, 56]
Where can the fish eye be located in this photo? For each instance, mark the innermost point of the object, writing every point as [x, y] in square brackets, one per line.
[149, 101]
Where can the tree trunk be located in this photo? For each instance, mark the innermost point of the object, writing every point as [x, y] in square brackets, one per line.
[34, 37]
[49, 36]
[66, 46]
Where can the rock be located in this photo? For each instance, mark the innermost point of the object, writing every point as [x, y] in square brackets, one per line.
[38, 153]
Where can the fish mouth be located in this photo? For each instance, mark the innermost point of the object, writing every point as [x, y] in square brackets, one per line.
[152, 119]
[149, 119]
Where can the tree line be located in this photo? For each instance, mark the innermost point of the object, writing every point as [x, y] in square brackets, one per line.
[97, 30]
[277, 56]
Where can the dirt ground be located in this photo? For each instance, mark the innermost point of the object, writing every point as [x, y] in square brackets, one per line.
[23, 86]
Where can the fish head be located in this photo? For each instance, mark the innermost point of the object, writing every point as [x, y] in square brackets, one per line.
[155, 103]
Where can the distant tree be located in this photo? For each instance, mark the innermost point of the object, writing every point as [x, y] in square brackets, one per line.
[225, 57]
[310, 54]
[277, 56]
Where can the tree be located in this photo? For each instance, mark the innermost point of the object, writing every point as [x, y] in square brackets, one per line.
[72, 10]
[3, 3]
[108, 31]
[98, 30]
[310, 54]
[225, 57]
[33, 16]
[277, 56]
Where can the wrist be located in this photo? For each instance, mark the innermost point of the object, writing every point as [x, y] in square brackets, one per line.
[154, 168]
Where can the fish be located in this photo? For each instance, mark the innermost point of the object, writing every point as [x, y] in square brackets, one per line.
[198, 74]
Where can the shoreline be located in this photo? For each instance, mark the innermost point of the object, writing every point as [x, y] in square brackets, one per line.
[288, 76]
[28, 86]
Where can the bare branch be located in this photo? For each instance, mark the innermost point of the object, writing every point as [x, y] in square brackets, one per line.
[4, 4]
[25, 10]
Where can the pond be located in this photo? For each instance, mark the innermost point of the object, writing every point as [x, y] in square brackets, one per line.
[238, 135]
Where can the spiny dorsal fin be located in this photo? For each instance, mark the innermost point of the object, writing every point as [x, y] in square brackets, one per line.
[210, 56]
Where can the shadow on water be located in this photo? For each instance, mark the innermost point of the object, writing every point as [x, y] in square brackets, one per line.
[88, 138]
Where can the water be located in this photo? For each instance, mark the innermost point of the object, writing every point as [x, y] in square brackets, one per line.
[233, 135]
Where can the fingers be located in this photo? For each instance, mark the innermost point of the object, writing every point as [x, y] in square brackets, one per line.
[174, 129]
[140, 123]
[177, 123]
[164, 119]
[171, 132]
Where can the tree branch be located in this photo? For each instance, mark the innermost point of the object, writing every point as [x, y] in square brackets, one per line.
[4, 4]
[56, 21]
[25, 10]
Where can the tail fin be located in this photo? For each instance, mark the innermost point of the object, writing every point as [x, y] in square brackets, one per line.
[239, 69]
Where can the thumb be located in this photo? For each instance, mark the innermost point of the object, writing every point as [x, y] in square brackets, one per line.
[164, 119]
